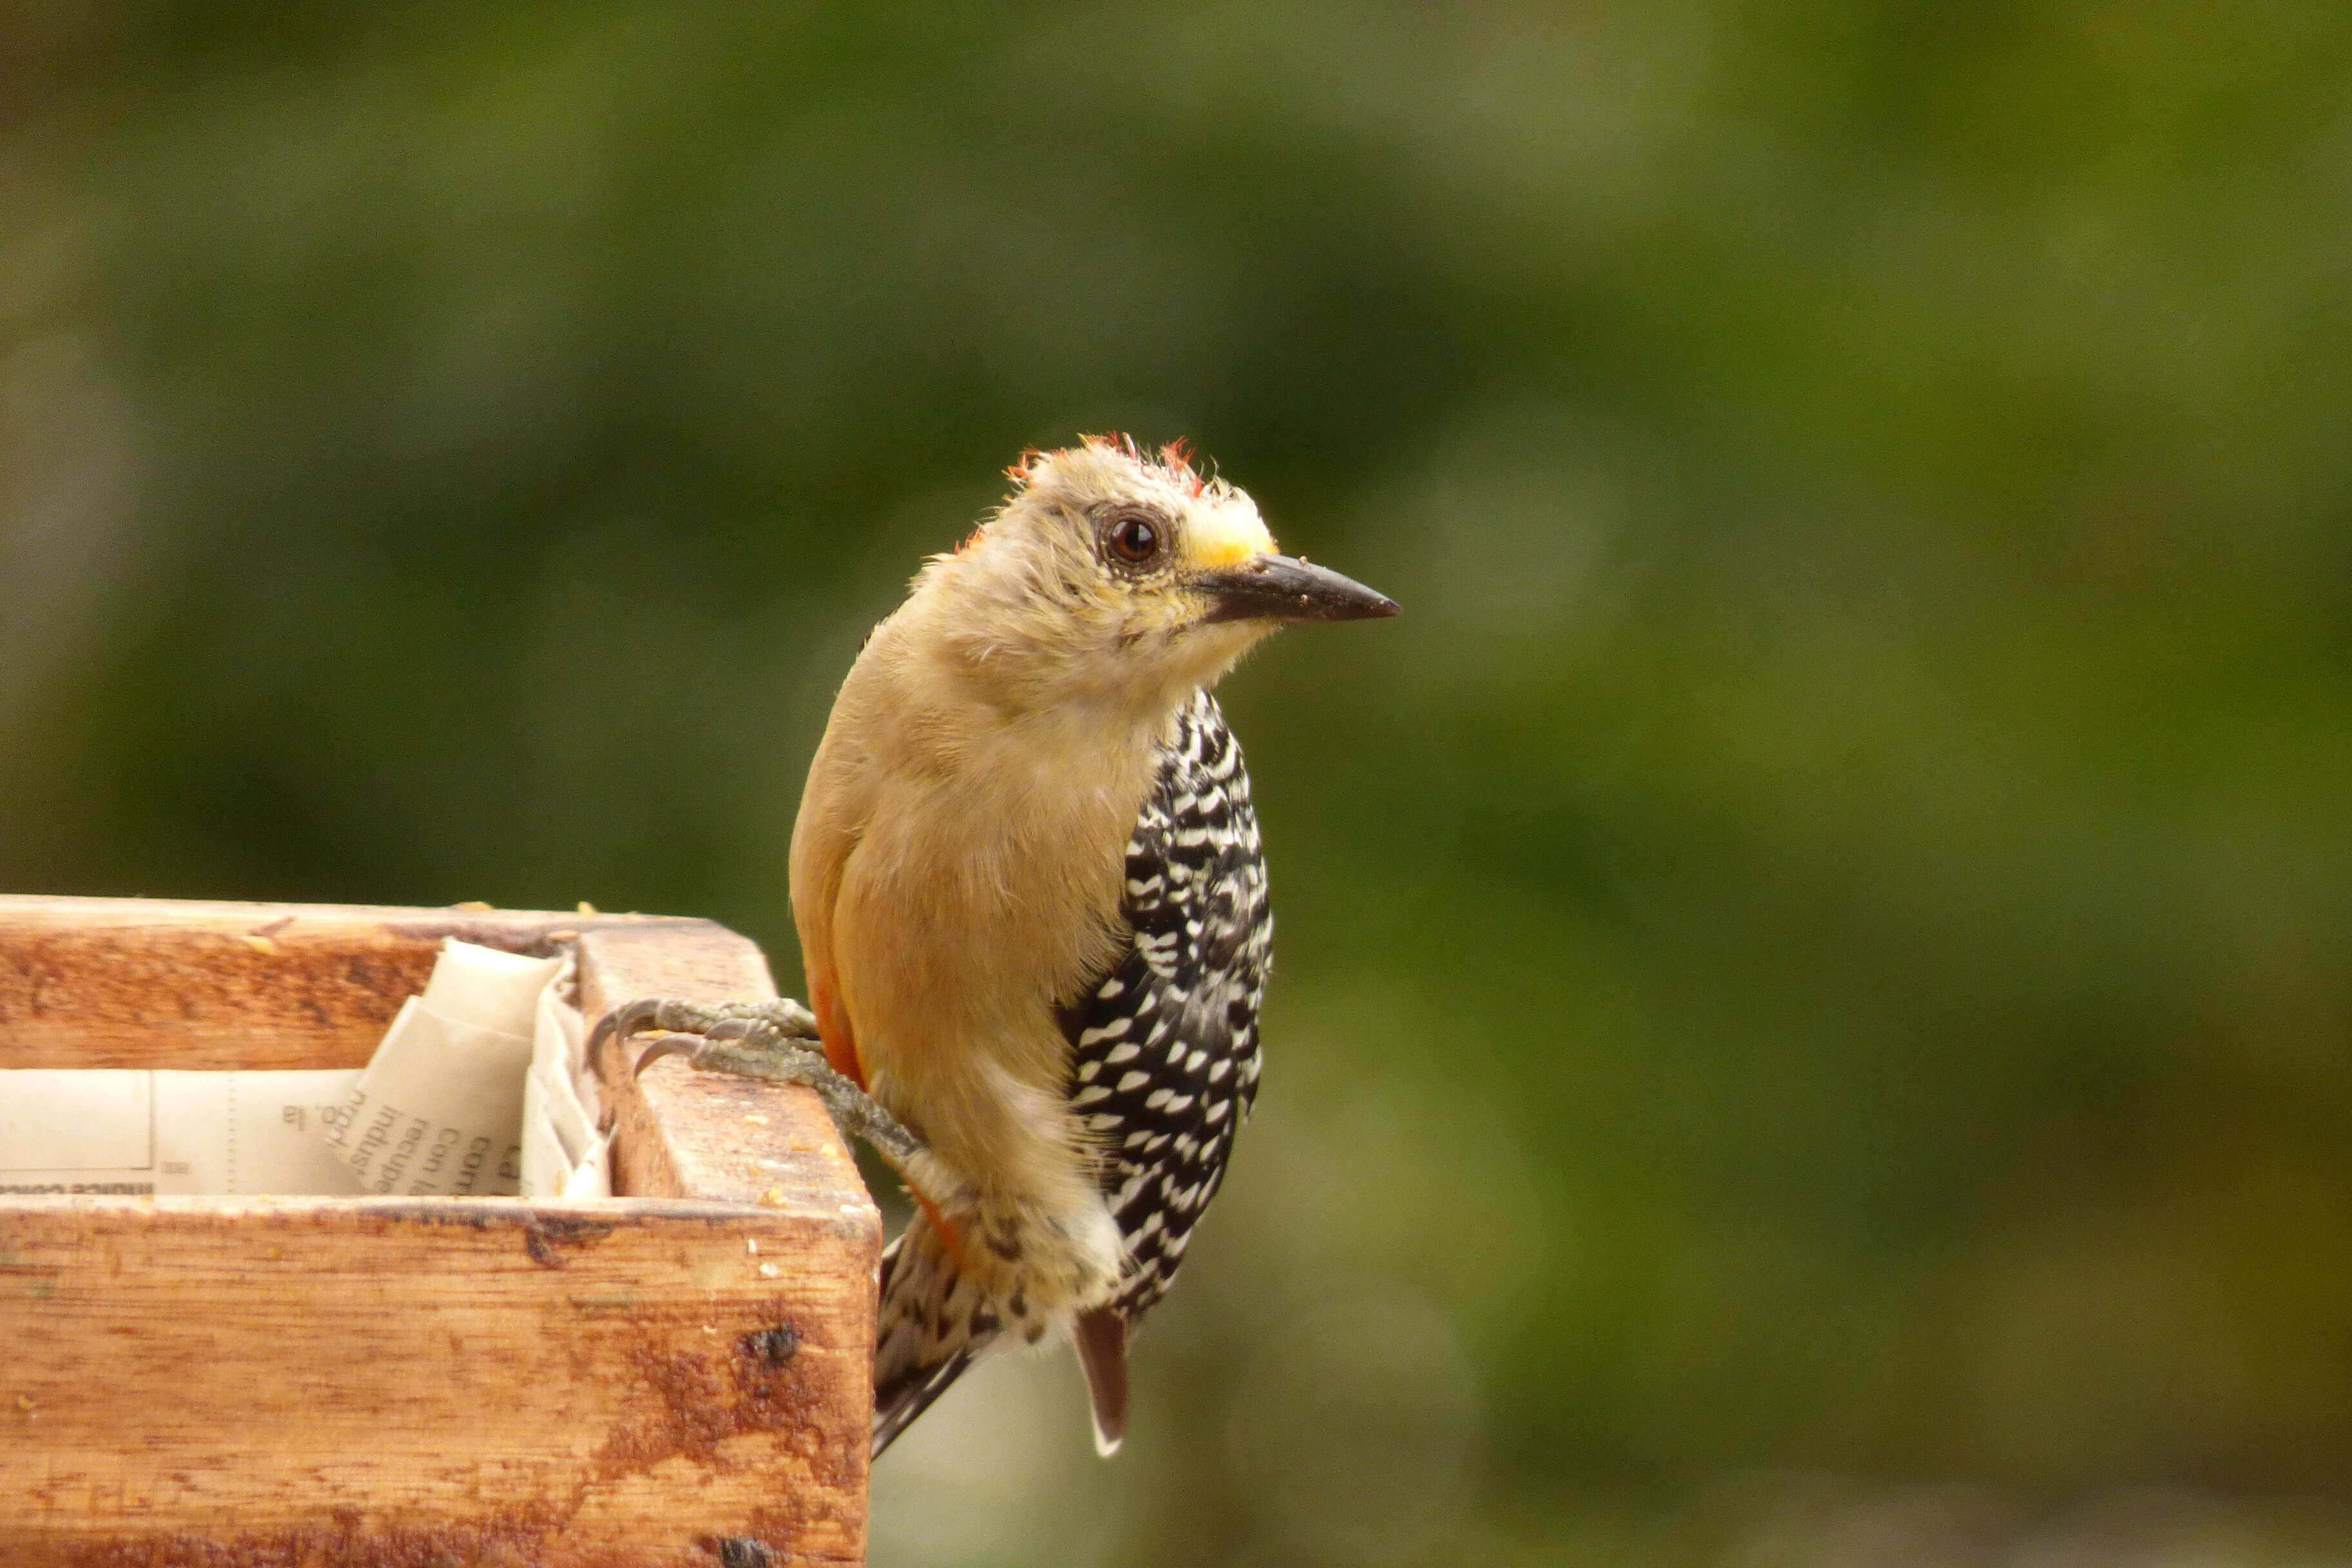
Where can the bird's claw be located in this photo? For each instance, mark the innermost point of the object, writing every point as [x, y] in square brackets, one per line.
[786, 1016]
[771, 1041]
[667, 1045]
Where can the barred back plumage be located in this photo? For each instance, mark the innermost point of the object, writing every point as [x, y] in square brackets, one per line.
[1164, 1069]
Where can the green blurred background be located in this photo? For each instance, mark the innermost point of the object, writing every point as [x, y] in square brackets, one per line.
[1812, 1016]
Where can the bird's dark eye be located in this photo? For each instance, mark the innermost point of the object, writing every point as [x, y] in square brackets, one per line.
[1135, 540]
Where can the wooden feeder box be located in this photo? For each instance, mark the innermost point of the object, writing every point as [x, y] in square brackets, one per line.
[682, 1374]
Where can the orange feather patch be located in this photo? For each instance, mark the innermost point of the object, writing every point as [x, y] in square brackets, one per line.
[832, 1028]
[948, 1235]
[1174, 460]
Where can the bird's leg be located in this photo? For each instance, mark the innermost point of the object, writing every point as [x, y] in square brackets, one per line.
[772, 1041]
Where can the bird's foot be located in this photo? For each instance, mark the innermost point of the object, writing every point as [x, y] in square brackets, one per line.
[774, 1042]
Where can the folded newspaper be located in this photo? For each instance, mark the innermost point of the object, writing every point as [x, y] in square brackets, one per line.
[132, 1130]
[480, 1087]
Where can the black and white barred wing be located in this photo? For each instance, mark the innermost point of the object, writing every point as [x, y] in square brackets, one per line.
[1166, 1058]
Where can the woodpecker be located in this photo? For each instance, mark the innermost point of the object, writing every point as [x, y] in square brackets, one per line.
[1032, 904]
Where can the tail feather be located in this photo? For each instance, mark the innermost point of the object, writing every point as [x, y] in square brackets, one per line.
[1101, 1340]
[927, 1333]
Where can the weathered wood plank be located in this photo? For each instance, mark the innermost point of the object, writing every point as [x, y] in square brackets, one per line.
[683, 1132]
[236, 1380]
[92, 982]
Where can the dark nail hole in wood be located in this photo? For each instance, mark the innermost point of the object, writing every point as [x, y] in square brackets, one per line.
[773, 1346]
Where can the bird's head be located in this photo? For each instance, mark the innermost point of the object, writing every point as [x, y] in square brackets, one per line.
[1116, 576]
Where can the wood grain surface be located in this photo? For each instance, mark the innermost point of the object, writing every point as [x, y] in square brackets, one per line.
[684, 1131]
[132, 983]
[679, 1375]
[378, 1380]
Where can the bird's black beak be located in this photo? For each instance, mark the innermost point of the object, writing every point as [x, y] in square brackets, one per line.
[1278, 588]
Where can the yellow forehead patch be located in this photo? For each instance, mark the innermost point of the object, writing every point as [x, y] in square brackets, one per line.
[1223, 536]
